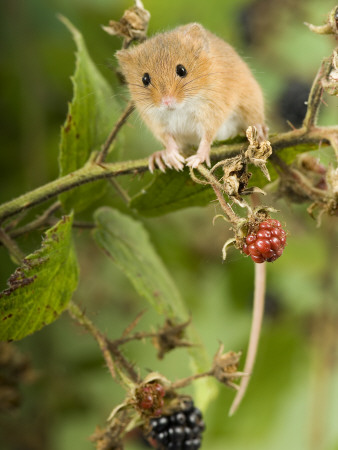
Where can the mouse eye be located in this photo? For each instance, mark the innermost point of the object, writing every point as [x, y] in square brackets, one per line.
[181, 71]
[146, 79]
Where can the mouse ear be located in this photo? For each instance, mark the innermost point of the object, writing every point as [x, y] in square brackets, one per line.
[123, 57]
[197, 34]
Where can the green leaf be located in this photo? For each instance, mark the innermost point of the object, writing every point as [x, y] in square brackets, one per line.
[41, 288]
[169, 192]
[90, 118]
[127, 243]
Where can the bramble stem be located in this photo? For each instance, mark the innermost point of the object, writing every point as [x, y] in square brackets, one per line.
[257, 318]
[111, 138]
[186, 381]
[83, 320]
[315, 95]
[215, 185]
[92, 172]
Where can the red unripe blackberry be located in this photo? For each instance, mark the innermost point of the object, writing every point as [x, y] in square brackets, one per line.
[149, 398]
[267, 244]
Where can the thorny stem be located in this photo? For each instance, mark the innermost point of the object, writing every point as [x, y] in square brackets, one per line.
[92, 172]
[186, 381]
[257, 318]
[121, 360]
[215, 185]
[134, 337]
[315, 95]
[83, 320]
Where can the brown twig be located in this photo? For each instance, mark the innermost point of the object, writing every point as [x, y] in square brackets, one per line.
[38, 222]
[122, 361]
[113, 135]
[315, 95]
[83, 320]
[218, 191]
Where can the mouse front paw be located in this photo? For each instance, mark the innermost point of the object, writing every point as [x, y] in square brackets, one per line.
[195, 160]
[166, 158]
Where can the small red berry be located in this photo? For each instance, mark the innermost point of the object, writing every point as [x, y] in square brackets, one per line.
[263, 245]
[250, 239]
[267, 244]
[265, 234]
[159, 389]
[245, 249]
[147, 401]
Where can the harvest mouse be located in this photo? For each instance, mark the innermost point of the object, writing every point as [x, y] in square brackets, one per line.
[190, 87]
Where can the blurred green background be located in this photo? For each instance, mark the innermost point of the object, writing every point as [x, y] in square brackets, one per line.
[292, 401]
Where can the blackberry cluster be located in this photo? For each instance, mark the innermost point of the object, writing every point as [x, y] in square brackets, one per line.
[267, 244]
[182, 430]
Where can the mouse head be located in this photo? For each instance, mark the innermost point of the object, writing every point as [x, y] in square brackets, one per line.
[167, 69]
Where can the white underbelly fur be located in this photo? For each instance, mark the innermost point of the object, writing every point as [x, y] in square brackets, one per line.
[186, 127]
[232, 126]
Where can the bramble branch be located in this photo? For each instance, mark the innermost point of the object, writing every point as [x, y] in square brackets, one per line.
[92, 172]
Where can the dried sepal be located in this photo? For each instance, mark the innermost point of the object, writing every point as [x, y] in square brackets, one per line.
[253, 190]
[132, 26]
[331, 26]
[222, 216]
[156, 376]
[225, 367]
[258, 151]
[118, 409]
[170, 336]
[330, 83]
[229, 243]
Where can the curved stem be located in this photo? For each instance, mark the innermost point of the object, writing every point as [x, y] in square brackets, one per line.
[257, 317]
[90, 172]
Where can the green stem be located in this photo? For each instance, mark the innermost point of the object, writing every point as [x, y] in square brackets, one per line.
[92, 172]
[86, 174]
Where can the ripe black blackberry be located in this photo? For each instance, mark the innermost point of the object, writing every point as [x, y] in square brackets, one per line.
[291, 103]
[181, 430]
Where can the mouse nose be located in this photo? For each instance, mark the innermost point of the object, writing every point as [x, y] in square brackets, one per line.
[168, 100]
